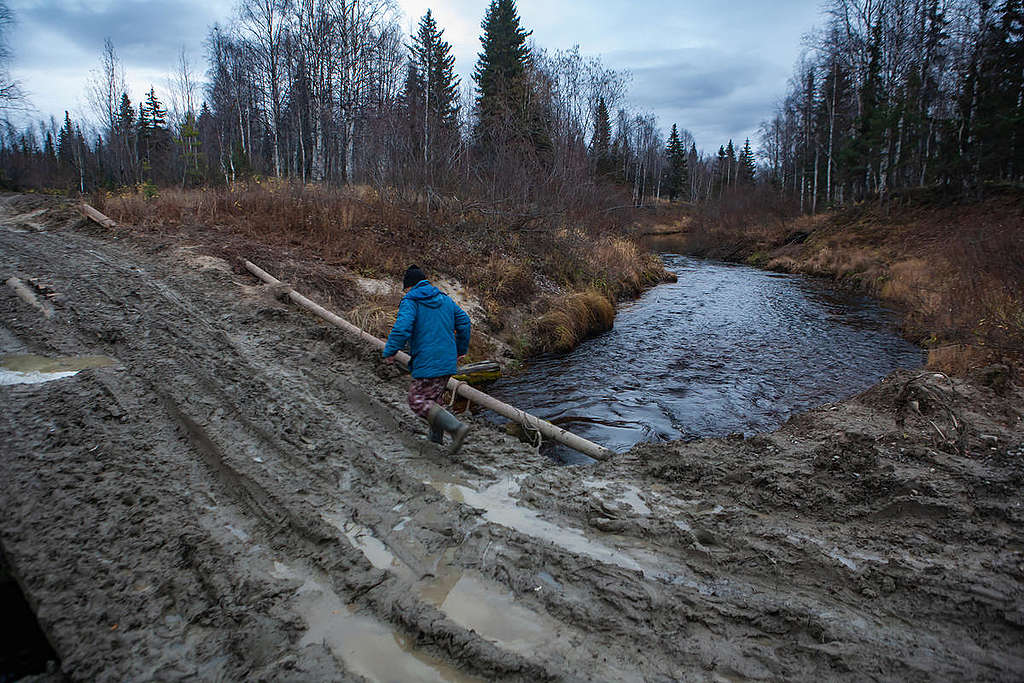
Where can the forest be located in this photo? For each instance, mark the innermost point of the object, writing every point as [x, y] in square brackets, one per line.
[888, 95]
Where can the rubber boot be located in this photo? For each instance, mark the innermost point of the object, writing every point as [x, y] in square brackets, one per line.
[442, 419]
[436, 435]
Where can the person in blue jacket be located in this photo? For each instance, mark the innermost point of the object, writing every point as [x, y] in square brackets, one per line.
[437, 333]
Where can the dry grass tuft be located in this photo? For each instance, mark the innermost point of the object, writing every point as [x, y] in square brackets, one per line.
[572, 319]
[376, 313]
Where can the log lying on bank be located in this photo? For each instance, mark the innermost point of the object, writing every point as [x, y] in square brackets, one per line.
[94, 215]
[546, 429]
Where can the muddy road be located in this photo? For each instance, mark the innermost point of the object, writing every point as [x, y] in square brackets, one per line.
[241, 493]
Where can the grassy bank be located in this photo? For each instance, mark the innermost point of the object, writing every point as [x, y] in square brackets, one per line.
[955, 269]
[539, 281]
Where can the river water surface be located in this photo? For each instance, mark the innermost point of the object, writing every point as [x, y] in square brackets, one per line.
[725, 349]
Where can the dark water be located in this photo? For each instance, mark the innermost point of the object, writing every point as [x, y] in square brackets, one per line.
[726, 349]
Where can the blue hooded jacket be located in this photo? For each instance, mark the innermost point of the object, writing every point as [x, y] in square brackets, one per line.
[436, 329]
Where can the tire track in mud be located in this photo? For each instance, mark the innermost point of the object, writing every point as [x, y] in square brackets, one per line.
[260, 498]
[295, 442]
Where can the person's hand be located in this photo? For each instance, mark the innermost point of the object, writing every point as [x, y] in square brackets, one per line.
[390, 360]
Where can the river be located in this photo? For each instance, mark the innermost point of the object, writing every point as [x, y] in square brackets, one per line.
[725, 349]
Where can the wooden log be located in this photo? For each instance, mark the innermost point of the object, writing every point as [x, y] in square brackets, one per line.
[94, 215]
[546, 429]
[29, 297]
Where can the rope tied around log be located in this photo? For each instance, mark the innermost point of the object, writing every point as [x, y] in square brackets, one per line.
[525, 420]
[455, 394]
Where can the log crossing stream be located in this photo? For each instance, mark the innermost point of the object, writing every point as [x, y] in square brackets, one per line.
[725, 349]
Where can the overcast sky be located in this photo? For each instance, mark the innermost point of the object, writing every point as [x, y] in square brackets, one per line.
[714, 68]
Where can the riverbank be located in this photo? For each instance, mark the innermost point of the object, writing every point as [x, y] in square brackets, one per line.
[953, 268]
[244, 494]
[532, 282]
[726, 349]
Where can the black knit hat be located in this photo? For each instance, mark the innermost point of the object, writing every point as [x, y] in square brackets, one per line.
[413, 276]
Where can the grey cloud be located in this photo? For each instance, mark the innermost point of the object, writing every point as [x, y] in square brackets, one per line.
[713, 94]
[145, 33]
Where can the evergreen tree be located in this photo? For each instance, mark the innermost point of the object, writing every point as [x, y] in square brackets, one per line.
[434, 59]
[747, 166]
[721, 170]
[125, 116]
[500, 72]
[730, 165]
[66, 142]
[997, 127]
[125, 134]
[600, 145]
[677, 179]
[431, 93]
[411, 100]
[188, 138]
[157, 115]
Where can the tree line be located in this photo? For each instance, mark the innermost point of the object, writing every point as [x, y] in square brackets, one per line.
[899, 94]
[333, 91]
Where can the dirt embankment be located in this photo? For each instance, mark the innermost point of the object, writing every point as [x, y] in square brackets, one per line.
[539, 281]
[242, 494]
[954, 267]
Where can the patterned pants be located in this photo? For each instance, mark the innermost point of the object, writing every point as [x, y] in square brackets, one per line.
[425, 392]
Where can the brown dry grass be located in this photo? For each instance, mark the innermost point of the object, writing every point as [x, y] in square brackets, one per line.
[359, 231]
[572, 319]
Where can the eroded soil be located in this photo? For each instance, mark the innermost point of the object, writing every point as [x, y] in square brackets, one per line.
[243, 494]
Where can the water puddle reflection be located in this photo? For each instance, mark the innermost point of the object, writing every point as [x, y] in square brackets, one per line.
[500, 507]
[485, 607]
[375, 550]
[31, 369]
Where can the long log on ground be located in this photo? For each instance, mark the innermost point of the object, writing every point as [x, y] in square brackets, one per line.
[96, 216]
[546, 429]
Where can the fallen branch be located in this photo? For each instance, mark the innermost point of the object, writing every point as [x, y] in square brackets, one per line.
[548, 430]
[94, 215]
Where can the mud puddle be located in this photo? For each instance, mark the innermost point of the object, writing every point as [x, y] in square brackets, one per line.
[367, 646]
[465, 596]
[31, 369]
[500, 507]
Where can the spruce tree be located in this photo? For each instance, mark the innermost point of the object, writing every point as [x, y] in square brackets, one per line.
[730, 164]
[721, 170]
[500, 72]
[747, 166]
[600, 145]
[125, 116]
[431, 92]
[156, 111]
[66, 141]
[435, 61]
[677, 179]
